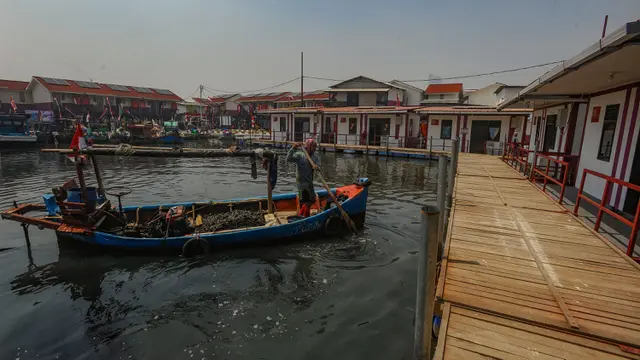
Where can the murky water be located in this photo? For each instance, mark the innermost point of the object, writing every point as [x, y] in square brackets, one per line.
[340, 298]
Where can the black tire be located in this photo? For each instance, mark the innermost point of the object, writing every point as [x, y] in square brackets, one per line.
[195, 247]
[333, 226]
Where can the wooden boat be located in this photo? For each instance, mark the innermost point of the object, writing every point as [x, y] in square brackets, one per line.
[97, 223]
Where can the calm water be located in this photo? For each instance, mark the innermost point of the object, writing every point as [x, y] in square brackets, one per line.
[340, 298]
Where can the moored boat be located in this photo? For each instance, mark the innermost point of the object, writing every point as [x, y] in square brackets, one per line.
[187, 227]
[14, 131]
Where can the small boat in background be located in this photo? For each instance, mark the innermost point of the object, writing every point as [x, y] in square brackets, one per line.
[14, 131]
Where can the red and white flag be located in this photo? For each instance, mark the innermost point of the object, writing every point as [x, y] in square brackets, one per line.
[398, 103]
[13, 104]
[109, 103]
[78, 141]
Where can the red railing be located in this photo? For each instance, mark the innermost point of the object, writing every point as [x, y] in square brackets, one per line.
[602, 206]
[545, 174]
[517, 158]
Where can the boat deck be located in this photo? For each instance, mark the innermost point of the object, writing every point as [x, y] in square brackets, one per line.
[520, 264]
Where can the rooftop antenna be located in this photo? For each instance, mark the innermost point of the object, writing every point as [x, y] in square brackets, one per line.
[604, 27]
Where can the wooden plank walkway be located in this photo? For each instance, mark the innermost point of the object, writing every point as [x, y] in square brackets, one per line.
[514, 254]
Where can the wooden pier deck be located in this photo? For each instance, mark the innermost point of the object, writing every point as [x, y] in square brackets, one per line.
[522, 278]
[364, 149]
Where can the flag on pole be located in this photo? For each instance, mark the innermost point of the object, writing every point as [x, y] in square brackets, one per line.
[103, 113]
[78, 141]
[398, 103]
[59, 108]
[13, 104]
[109, 103]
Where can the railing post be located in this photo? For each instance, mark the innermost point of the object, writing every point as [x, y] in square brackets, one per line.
[577, 205]
[430, 146]
[546, 176]
[603, 203]
[634, 232]
[441, 192]
[451, 180]
[532, 174]
[564, 182]
[427, 267]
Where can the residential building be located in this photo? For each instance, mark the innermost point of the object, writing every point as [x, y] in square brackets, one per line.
[481, 129]
[587, 109]
[221, 105]
[443, 94]
[365, 91]
[15, 89]
[260, 101]
[318, 98]
[73, 97]
[412, 95]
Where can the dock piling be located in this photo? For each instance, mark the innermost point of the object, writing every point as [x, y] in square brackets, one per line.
[441, 191]
[450, 181]
[427, 267]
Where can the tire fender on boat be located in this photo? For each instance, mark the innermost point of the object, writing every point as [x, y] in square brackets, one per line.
[195, 246]
[333, 226]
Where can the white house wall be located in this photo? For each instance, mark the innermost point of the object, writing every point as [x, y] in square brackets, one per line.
[485, 96]
[40, 94]
[392, 95]
[594, 186]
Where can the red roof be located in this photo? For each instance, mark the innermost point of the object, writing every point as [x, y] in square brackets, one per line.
[444, 88]
[310, 96]
[13, 85]
[105, 90]
[262, 97]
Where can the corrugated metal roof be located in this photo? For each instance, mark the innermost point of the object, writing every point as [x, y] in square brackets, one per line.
[470, 110]
[13, 85]
[106, 90]
[444, 88]
[361, 90]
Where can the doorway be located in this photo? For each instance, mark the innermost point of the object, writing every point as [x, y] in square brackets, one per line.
[378, 129]
[631, 201]
[301, 125]
[481, 132]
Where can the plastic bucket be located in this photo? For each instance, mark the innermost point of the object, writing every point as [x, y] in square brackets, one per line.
[75, 195]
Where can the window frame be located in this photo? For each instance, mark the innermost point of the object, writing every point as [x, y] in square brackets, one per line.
[608, 124]
[355, 127]
[450, 126]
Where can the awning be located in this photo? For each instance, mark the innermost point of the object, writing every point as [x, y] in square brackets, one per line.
[609, 63]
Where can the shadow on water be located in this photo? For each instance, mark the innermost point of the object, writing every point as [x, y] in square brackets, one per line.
[341, 298]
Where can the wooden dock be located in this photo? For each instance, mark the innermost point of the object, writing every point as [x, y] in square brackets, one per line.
[391, 151]
[521, 277]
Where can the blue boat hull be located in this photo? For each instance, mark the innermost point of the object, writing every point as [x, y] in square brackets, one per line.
[355, 207]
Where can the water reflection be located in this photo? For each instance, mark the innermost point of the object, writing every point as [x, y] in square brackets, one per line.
[300, 300]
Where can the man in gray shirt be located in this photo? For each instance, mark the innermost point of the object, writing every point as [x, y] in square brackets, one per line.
[304, 173]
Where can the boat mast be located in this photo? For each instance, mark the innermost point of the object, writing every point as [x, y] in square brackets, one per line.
[201, 104]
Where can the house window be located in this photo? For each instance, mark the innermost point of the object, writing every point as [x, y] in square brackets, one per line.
[283, 123]
[382, 98]
[441, 96]
[62, 97]
[353, 126]
[445, 129]
[550, 132]
[22, 96]
[327, 125]
[608, 132]
[353, 99]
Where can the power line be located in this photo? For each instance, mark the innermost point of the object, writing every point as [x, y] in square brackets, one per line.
[321, 78]
[485, 74]
[250, 91]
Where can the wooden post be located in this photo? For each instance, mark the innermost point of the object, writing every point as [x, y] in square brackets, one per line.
[269, 189]
[83, 185]
[441, 192]
[96, 169]
[427, 268]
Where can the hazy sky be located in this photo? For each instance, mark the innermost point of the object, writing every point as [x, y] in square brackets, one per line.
[241, 45]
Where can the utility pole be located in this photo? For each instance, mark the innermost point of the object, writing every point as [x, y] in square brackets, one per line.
[201, 87]
[301, 79]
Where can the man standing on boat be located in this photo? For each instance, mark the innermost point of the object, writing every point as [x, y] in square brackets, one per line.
[304, 173]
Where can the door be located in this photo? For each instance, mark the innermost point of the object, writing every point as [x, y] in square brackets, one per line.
[478, 136]
[550, 132]
[631, 201]
[301, 126]
[378, 129]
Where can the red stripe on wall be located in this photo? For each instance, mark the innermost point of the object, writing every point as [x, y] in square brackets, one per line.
[627, 149]
[623, 124]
